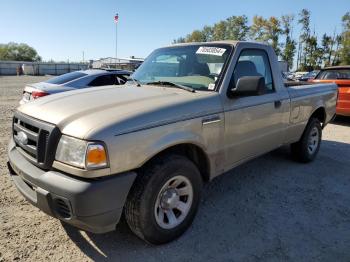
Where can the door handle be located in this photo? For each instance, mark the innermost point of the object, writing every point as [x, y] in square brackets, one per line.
[278, 104]
[211, 120]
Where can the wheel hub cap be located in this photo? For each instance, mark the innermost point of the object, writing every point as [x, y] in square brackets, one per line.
[169, 199]
[173, 202]
[313, 140]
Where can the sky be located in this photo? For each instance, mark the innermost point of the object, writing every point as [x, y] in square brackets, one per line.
[63, 30]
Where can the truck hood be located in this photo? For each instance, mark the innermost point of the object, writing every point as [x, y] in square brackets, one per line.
[94, 112]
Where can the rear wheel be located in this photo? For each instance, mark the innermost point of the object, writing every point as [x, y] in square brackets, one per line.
[164, 199]
[306, 149]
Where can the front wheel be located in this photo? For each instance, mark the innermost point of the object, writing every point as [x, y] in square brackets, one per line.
[164, 199]
[306, 149]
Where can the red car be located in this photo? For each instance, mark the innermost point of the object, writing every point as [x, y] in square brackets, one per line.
[341, 76]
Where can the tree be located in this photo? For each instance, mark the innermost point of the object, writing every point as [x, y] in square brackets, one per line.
[289, 45]
[311, 52]
[219, 31]
[336, 59]
[344, 52]
[266, 30]
[18, 52]
[234, 28]
[179, 40]
[257, 29]
[327, 49]
[196, 36]
[304, 20]
[237, 27]
[273, 31]
[208, 33]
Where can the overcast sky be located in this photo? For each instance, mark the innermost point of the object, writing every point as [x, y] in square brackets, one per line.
[62, 30]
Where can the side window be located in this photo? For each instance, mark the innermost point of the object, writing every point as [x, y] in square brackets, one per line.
[253, 62]
[104, 80]
[121, 79]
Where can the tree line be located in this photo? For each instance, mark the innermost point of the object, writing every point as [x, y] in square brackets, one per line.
[312, 52]
[18, 52]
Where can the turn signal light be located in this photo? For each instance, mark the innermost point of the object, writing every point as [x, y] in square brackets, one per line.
[96, 156]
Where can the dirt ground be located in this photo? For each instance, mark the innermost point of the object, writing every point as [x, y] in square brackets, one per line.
[270, 209]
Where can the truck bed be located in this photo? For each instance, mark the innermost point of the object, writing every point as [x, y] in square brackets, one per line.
[304, 98]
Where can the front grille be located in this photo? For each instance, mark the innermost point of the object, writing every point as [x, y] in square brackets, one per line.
[37, 140]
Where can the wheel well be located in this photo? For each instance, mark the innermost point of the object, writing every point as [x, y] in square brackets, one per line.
[320, 114]
[192, 152]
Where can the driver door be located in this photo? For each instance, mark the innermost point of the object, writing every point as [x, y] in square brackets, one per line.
[253, 124]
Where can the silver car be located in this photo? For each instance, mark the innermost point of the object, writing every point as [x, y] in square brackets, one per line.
[74, 80]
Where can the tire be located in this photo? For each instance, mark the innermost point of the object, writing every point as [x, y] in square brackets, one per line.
[306, 149]
[156, 191]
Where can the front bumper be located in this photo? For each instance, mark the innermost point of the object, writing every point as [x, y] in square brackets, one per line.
[92, 205]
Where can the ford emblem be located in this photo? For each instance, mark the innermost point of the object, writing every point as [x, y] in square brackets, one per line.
[22, 137]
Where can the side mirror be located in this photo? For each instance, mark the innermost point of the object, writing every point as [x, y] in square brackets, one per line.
[249, 86]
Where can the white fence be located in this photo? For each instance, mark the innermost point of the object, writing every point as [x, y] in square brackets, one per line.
[39, 68]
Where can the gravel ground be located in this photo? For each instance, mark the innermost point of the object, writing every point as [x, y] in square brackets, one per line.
[270, 209]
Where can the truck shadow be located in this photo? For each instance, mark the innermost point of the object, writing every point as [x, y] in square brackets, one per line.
[341, 120]
[269, 208]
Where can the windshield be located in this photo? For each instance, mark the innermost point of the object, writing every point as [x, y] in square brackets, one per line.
[58, 80]
[195, 66]
[334, 74]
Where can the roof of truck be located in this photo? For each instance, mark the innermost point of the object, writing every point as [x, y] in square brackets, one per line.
[227, 42]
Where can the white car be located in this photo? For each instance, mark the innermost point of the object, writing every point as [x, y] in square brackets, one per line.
[74, 80]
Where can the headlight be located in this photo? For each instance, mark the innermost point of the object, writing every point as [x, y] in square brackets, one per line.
[80, 153]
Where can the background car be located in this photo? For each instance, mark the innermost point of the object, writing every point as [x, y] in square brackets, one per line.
[341, 76]
[297, 75]
[74, 80]
[287, 77]
[309, 76]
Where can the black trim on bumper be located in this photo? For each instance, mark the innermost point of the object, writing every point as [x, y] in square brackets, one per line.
[92, 205]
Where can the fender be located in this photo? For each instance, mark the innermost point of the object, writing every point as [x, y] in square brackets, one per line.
[174, 139]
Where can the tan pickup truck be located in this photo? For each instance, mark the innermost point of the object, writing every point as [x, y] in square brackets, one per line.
[190, 113]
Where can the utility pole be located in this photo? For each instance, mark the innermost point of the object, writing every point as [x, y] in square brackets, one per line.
[116, 18]
[298, 54]
[83, 57]
[116, 44]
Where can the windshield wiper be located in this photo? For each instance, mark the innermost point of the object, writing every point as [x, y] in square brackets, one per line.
[137, 82]
[172, 84]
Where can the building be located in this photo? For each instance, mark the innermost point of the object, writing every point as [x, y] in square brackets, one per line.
[119, 63]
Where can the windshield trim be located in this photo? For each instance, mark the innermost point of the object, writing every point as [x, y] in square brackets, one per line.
[224, 68]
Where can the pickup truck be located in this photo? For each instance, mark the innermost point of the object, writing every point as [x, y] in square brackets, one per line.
[192, 112]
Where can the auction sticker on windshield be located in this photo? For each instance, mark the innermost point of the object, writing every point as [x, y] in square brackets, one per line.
[211, 50]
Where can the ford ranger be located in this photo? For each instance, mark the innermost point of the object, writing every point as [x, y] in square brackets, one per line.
[192, 112]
